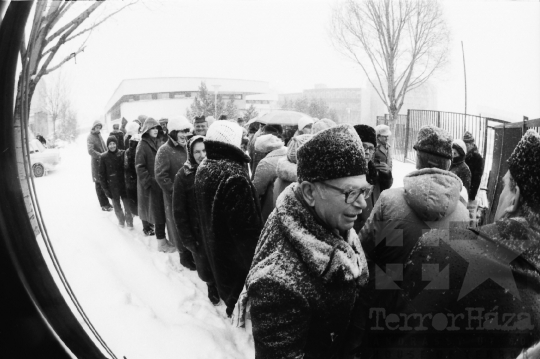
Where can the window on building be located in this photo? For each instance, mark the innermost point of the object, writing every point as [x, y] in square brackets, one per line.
[163, 95]
[146, 96]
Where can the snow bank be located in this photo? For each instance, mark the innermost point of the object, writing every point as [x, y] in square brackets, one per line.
[143, 303]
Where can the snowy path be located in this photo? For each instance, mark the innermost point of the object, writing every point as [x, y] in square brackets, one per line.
[143, 303]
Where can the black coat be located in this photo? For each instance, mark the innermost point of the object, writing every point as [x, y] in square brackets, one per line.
[96, 146]
[130, 176]
[304, 286]
[230, 217]
[492, 272]
[461, 170]
[149, 195]
[111, 174]
[475, 162]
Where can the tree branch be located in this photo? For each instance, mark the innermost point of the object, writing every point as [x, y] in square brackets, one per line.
[77, 21]
[66, 59]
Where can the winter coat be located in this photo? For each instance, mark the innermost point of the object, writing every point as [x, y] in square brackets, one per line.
[169, 159]
[230, 217]
[507, 252]
[251, 151]
[429, 199]
[186, 217]
[304, 284]
[475, 162]
[383, 154]
[130, 176]
[264, 178]
[373, 179]
[461, 170]
[120, 137]
[286, 174]
[149, 195]
[96, 146]
[111, 174]
[126, 141]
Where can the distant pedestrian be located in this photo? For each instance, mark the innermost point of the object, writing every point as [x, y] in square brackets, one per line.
[383, 156]
[305, 126]
[96, 146]
[164, 132]
[42, 140]
[257, 156]
[132, 129]
[119, 136]
[475, 162]
[459, 167]
[369, 140]
[286, 167]
[304, 287]
[222, 118]
[111, 177]
[201, 125]
[169, 159]
[229, 210]
[149, 194]
[130, 177]
[186, 214]
[265, 175]
[123, 127]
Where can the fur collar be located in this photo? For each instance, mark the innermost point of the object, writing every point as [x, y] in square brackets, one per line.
[216, 150]
[325, 254]
[286, 170]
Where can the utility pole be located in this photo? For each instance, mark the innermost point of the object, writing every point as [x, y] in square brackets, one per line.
[465, 76]
[216, 89]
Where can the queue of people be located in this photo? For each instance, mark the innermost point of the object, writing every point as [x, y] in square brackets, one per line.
[316, 250]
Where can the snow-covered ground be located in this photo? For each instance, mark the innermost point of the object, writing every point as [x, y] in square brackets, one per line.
[143, 303]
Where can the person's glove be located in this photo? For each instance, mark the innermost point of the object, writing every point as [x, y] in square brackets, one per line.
[382, 167]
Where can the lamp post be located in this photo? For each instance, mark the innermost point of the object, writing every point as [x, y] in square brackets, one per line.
[216, 89]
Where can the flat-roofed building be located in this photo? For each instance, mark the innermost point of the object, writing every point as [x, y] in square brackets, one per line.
[165, 97]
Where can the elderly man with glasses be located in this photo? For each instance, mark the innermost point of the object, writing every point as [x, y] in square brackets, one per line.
[383, 156]
[305, 282]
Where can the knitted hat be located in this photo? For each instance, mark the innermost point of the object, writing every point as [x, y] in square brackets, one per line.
[321, 125]
[332, 153]
[523, 165]
[383, 130]
[304, 121]
[132, 128]
[468, 137]
[163, 120]
[268, 143]
[112, 138]
[179, 123]
[366, 133]
[200, 119]
[294, 145]
[226, 132]
[460, 146]
[434, 140]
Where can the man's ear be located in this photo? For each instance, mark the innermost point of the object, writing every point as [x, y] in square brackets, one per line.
[308, 192]
[516, 202]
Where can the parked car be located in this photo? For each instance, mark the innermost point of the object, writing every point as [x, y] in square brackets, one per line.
[43, 159]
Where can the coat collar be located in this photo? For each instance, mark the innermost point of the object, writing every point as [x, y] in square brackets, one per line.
[150, 142]
[216, 150]
[326, 254]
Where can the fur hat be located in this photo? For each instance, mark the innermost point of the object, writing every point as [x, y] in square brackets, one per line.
[321, 125]
[332, 153]
[225, 132]
[200, 119]
[112, 138]
[468, 137]
[383, 130]
[366, 133]
[132, 128]
[304, 121]
[434, 140]
[268, 143]
[179, 123]
[460, 146]
[294, 145]
[523, 165]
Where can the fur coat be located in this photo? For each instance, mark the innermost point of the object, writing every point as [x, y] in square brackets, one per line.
[304, 285]
[460, 169]
[230, 217]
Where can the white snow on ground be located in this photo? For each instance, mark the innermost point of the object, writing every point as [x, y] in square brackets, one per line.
[143, 303]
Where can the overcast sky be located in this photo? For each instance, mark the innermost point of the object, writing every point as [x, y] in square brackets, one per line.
[286, 43]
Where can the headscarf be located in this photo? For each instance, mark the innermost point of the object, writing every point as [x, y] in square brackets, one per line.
[190, 164]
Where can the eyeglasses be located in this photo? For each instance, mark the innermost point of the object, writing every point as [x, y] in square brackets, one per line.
[352, 195]
[369, 149]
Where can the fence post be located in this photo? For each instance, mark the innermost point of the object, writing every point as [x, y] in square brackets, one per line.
[407, 125]
[485, 136]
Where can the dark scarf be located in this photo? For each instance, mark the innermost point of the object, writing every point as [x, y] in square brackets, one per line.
[191, 165]
[458, 160]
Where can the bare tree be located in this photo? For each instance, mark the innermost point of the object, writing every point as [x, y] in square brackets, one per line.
[399, 44]
[56, 103]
